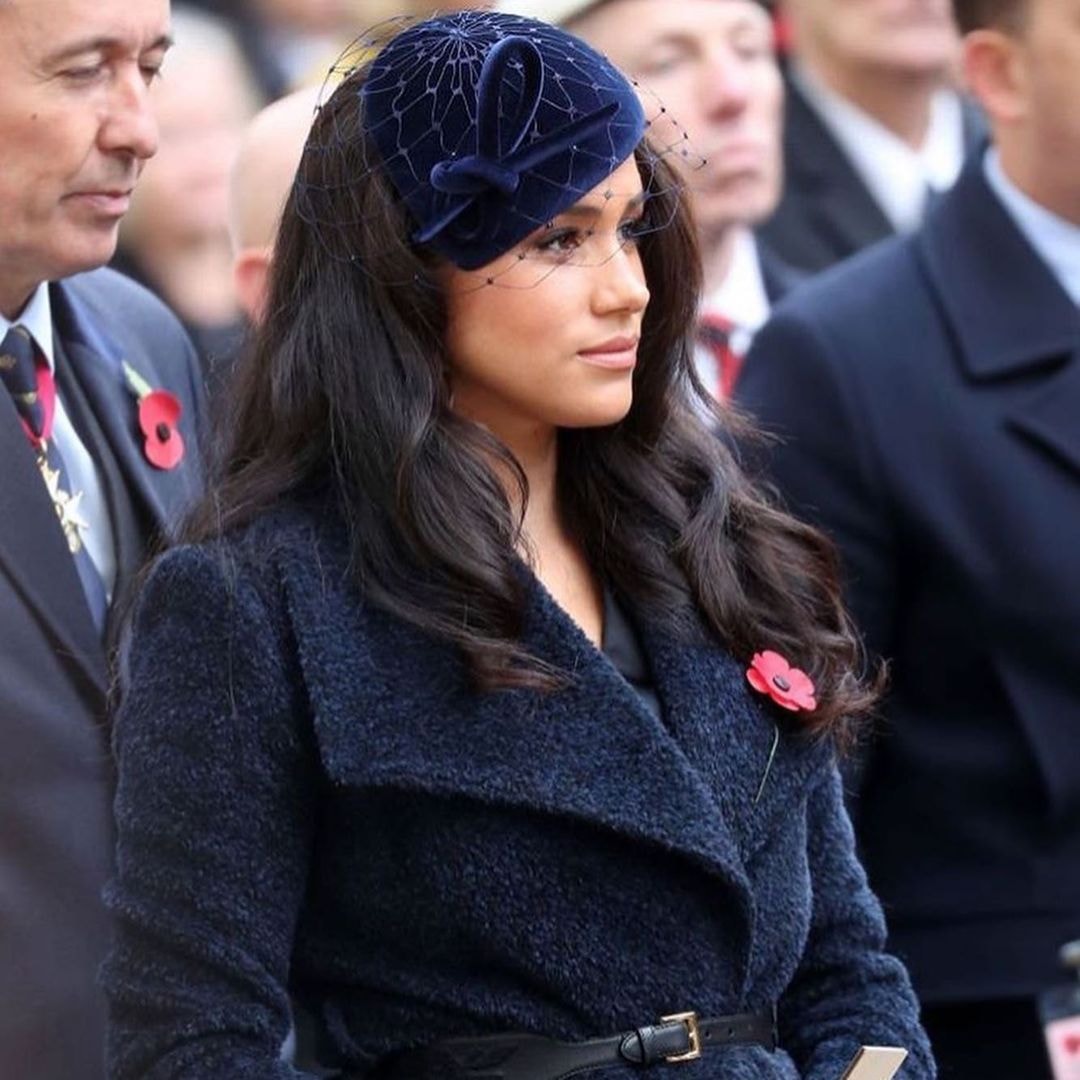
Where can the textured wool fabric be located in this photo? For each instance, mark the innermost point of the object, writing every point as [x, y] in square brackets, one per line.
[490, 125]
[312, 801]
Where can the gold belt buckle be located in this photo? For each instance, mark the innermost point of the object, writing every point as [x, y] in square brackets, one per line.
[690, 1019]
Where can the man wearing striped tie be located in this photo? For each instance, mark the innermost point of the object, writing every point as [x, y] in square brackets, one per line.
[99, 412]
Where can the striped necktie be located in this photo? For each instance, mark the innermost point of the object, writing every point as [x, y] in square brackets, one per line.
[714, 332]
[30, 382]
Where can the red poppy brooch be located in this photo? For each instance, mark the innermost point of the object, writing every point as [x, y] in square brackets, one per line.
[159, 417]
[769, 673]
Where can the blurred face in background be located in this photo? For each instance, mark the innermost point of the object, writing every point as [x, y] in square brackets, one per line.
[309, 16]
[916, 37]
[203, 105]
[712, 65]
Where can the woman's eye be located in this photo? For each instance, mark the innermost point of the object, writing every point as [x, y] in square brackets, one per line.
[560, 242]
[630, 232]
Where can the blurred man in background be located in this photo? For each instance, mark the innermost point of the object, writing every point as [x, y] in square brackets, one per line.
[712, 65]
[175, 239]
[928, 395]
[262, 177]
[95, 466]
[875, 130]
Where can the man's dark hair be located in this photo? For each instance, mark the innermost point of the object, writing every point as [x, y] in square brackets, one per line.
[985, 14]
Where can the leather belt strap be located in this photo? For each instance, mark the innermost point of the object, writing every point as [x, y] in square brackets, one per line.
[673, 1040]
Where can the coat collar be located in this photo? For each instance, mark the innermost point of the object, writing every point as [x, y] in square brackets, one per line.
[833, 193]
[1008, 312]
[36, 557]
[393, 708]
[1015, 327]
[97, 362]
[31, 545]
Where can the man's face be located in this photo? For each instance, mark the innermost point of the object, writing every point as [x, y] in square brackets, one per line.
[75, 127]
[902, 36]
[1048, 53]
[713, 67]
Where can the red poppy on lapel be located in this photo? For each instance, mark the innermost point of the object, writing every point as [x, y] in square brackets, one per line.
[159, 413]
[159, 419]
[769, 673]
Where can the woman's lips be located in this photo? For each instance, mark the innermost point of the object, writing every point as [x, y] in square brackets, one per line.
[618, 353]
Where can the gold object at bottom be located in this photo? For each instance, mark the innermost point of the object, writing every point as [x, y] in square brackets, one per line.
[67, 506]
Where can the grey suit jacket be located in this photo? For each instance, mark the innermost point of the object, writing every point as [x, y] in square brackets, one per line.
[55, 778]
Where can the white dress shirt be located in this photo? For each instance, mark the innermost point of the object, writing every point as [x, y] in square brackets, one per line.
[82, 471]
[742, 300]
[898, 177]
[1055, 240]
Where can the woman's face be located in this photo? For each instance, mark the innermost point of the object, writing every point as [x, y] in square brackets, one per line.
[552, 342]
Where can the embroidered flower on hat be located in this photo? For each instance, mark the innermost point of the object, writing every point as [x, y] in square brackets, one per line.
[792, 689]
[159, 418]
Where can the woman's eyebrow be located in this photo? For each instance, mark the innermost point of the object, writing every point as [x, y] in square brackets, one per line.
[594, 210]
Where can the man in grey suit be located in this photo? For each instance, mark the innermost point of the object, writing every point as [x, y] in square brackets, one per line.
[99, 414]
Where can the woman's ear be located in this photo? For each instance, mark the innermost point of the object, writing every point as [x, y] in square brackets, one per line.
[995, 71]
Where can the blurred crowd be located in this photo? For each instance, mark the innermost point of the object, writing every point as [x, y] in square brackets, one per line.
[829, 126]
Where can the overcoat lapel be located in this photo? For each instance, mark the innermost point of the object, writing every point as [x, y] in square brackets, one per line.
[97, 362]
[1050, 417]
[1027, 348]
[832, 193]
[35, 555]
[393, 708]
[756, 762]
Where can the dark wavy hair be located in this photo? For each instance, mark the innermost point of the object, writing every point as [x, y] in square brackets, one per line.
[344, 390]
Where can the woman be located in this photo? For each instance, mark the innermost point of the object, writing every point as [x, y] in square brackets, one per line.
[443, 725]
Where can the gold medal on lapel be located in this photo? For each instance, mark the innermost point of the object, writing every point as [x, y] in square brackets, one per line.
[67, 507]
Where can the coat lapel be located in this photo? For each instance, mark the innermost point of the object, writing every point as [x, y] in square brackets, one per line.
[1026, 348]
[1050, 417]
[393, 708]
[97, 362]
[752, 760]
[833, 194]
[35, 555]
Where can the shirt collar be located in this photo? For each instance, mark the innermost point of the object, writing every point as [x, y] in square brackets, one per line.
[741, 297]
[36, 316]
[1055, 240]
[897, 175]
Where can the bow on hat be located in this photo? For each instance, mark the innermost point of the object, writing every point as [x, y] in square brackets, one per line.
[488, 125]
[500, 157]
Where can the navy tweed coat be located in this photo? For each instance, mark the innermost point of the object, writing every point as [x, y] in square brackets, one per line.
[312, 802]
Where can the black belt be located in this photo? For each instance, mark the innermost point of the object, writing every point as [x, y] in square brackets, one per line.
[674, 1040]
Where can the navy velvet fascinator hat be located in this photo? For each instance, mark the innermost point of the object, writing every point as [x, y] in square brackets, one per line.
[489, 125]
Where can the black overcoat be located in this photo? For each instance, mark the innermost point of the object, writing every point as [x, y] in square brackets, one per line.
[312, 798]
[928, 397]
